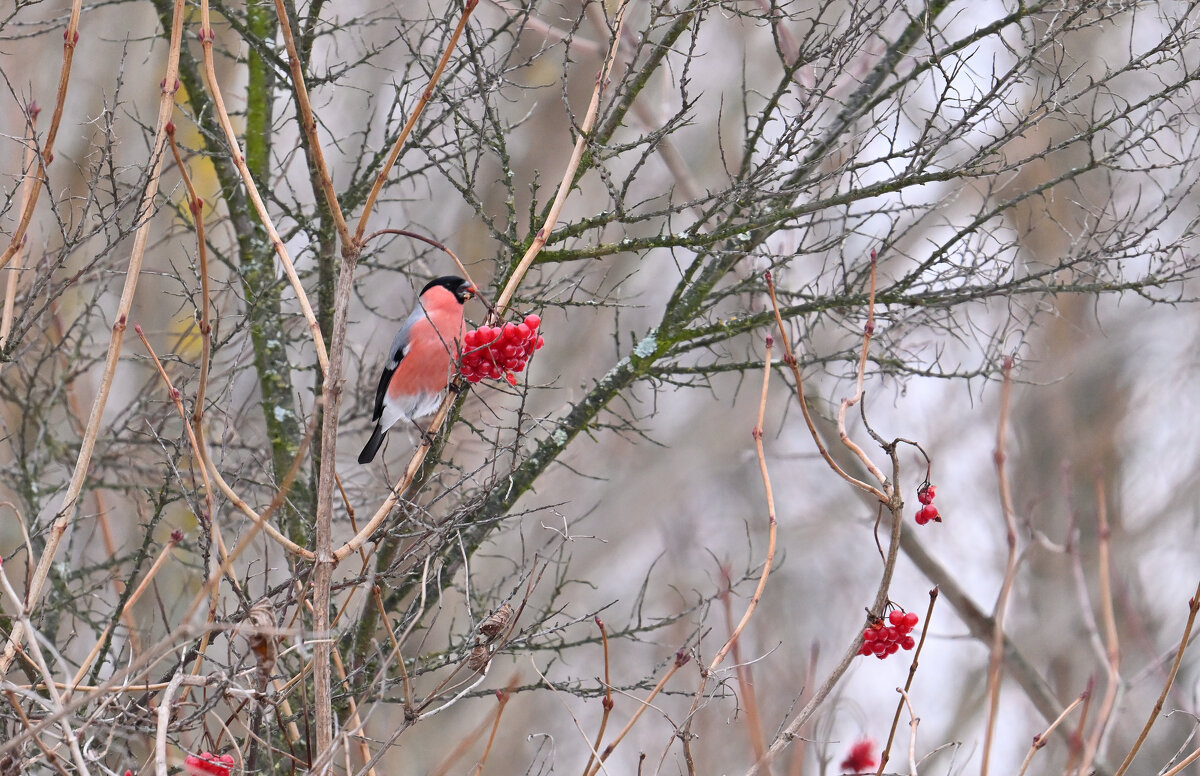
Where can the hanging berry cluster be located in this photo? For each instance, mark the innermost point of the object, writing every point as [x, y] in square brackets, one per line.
[882, 641]
[928, 512]
[492, 351]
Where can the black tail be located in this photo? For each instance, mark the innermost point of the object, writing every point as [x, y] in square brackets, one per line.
[368, 453]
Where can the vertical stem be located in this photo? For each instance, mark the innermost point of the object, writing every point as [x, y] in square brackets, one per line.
[996, 658]
[331, 400]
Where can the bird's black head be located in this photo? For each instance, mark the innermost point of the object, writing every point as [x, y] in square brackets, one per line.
[462, 289]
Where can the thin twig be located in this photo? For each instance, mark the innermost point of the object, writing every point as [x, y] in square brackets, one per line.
[1113, 650]
[503, 696]
[607, 703]
[70, 40]
[680, 661]
[847, 403]
[912, 672]
[196, 208]
[745, 681]
[1039, 741]
[772, 527]
[996, 656]
[913, 721]
[1193, 607]
[27, 185]
[398, 146]
[441, 247]
[558, 695]
[789, 360]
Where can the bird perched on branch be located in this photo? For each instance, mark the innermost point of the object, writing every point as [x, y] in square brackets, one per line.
[419, 363]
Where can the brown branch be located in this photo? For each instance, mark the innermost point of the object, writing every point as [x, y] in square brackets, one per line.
[891, 499]
[70, 40]
[133, 598]
[564, 187]
[745, 681]
[503, 696]
[607, 703]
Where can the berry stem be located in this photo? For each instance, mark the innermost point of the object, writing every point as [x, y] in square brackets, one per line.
[912, 672]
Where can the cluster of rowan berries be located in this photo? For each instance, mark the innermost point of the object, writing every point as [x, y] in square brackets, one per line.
[880, 640]
[492, 351]
[207, 764]
[928, 512]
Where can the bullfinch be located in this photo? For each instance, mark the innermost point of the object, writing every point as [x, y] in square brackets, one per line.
[419, 364]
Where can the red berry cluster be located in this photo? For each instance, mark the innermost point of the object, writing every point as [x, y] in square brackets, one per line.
[492, 351]
[928, 512]
[208, 764]
[882, 641]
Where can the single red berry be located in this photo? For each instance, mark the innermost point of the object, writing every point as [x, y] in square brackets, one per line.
[926, 494]
[927, 513]
[893, 648]
[908, 642]
[511, 378]
[896, 617]
[860, 757]
[539, 344]
[910, 619]
[524, 331]
[869, 634]
[510, 331]
[533, 321]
